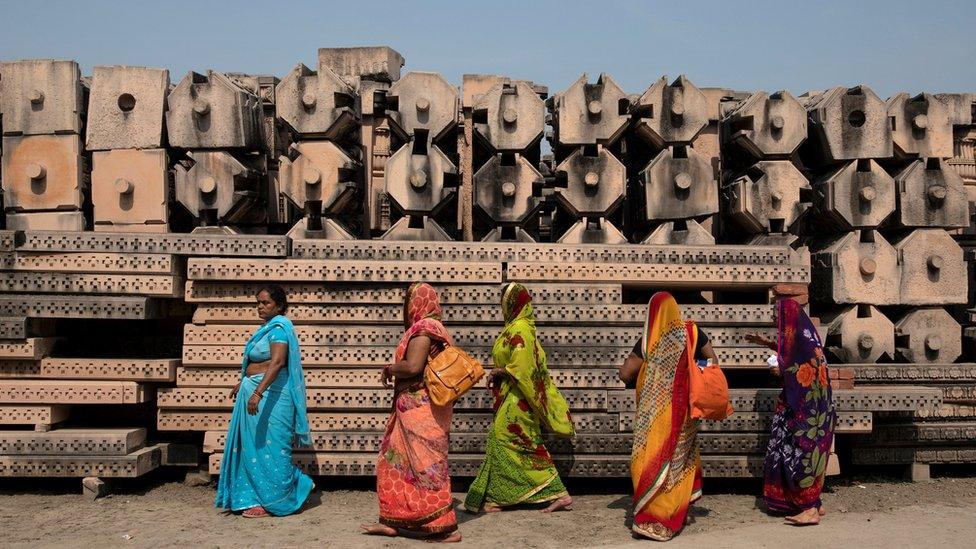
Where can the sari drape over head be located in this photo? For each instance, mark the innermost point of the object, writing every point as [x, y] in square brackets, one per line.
[665, 463]
[412, 479]
[803, 424]
[517, 466]
[256, 468]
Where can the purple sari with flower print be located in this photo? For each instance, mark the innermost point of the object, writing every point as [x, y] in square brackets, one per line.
[803, 425]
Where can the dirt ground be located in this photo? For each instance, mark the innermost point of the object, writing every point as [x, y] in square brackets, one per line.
[163, 512]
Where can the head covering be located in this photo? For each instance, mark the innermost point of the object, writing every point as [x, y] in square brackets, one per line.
[423, 311]
[663, 316]
[517, 303]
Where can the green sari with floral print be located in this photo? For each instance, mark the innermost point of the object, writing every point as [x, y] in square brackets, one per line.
[518, 468]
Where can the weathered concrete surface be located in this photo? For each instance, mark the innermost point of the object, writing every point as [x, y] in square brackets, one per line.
[931, 194]
[766, 198]
[130, 189]
[216, 182]
[590, 114]
[504, 189]
[41, 96]
[857, 195]
[671, 114]
[420, 181]
[380, 63]
[859, 334]
[43, 172]
[858, 267]
[920, 126]
[126, 108]
[321, 172]
[212, 111]
[423, 102]
[928, 336]
[317, 104]
[678, 183]
[590, 182]
[766, 125]
[933, 269]
[510, 116]
[850, 123]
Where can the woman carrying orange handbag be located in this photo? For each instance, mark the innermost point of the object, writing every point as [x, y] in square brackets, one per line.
[665, 464]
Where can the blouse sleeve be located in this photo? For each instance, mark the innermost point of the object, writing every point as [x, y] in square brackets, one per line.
[277, 335]
[639, 349]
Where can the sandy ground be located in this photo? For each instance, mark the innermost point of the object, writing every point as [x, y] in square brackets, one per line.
[161, 512]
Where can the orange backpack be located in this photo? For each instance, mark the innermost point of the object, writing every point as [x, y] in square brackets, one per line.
[709, 390]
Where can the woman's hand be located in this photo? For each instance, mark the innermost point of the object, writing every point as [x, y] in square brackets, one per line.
[252, 403]
[760, 340]
[233, 392]
[386, 376]
[495, 376]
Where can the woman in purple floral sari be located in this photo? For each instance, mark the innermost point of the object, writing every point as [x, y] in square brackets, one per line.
[803, 425]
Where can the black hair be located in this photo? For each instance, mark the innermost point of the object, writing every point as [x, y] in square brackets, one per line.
[277, 294]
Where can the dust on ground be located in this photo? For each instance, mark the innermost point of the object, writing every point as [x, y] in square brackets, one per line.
[162, 512]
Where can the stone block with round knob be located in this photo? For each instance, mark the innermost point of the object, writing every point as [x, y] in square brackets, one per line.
[321, 172]
[317, 104]
[213, 111]
[931, 194]
[671, 114]
[928, 336]
[423, 101]
[42, 96]
[858, 267]
[420, 179]
[766, 125]
[858, 194]
[590, 182]
[859, 334]
[216, 184]
[850, 123]
[920, 126]
[130, 190]
[590, 114]
[766, 197]
[933, 269]
[43, 172]
[505, 189]
[126, 108]
[678, 183]
[510, 116]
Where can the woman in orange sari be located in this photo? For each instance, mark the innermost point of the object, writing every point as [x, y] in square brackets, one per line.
[412, 479]
[665, 466]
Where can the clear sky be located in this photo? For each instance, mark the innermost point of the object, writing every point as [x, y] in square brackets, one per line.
[890, 45]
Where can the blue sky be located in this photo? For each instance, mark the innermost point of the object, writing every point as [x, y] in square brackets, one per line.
[890, 45]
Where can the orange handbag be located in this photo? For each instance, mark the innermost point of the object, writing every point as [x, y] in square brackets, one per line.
[450, 374]
[709, 389]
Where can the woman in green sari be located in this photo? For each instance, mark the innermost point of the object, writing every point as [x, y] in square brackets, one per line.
[517, 468]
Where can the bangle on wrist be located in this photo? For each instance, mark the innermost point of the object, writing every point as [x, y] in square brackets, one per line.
[257, 394]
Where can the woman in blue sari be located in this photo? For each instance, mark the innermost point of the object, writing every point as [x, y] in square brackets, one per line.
[257, 475]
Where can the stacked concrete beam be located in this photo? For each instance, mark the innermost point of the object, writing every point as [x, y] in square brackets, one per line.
[217, 126]
[44, 167]
[348, 331]
[507, 121]
[589, 121]
[131, 182]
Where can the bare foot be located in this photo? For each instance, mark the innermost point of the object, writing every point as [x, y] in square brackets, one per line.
[376, 529]
[822, 510]
[255, 512]
[560, 504]
[809, 517]
[450, 537]
[492, 509]
[689, 519]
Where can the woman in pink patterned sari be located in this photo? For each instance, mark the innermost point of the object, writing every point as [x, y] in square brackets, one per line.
[412, 479]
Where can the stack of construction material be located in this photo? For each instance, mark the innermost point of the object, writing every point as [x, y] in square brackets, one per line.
[504, 123]
[675, 180]
[884, 265]
[130, 166]
[45, 172]
[90, 327]
[421, 174]
[763, 190]
[589, 122]
[216, 126]
[349, 326]
[321, 174]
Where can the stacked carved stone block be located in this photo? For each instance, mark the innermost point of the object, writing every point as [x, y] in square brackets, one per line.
[321, 173]
[130, 165]
[589, 121]
[216, 127]
[45, 169]
[504, 121]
